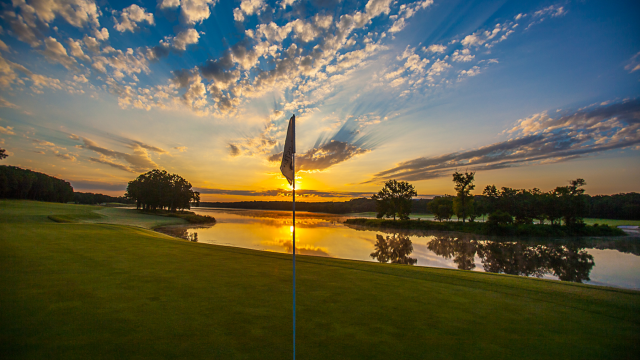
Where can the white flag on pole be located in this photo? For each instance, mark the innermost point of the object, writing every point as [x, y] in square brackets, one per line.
[289, 149]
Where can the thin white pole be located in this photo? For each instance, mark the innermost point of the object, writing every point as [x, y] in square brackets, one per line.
[293, 160]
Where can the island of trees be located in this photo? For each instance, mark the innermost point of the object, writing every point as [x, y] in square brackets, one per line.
[509, 211]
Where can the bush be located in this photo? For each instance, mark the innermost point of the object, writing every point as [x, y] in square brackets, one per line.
[500, 218]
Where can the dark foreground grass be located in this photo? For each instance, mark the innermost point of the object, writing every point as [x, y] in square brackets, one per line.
[94, 291]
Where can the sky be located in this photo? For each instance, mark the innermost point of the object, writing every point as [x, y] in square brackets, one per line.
[523, 93]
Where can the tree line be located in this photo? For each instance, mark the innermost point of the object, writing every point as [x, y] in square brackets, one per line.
[17, 183]
[158, 190]
[564, 204]
[87, 198]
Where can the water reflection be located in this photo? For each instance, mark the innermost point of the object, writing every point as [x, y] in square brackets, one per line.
[568, 262]
[394, 249]
[617, 259]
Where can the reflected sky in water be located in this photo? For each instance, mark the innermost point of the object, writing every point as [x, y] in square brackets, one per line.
[599, 261]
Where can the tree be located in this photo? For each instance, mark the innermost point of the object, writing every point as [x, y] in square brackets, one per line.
[2, 154]
[464, 200]
[572, 202]
[441, 207]
[158, 189]
[395, 199]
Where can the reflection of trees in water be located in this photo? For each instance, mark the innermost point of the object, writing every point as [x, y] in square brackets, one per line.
[395, 249]
[179, 232]
[569, 262]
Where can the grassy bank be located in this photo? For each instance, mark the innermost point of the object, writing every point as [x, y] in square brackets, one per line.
[188, 216]
[82, 290]
[487, 229]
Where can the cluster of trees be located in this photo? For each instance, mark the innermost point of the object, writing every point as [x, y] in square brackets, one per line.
[158, 190]
[91, 198]
[566, 204]
[17, 183]
[394, 199]
[619, 206]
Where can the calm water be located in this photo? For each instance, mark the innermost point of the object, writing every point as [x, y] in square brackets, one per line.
[598, 261]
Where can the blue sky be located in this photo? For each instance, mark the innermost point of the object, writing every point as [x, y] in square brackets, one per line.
[527, 94]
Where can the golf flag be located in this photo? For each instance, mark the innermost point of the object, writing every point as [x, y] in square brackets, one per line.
[289, 149]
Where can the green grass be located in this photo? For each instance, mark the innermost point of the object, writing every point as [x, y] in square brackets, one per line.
[91, 291]
[611, 222]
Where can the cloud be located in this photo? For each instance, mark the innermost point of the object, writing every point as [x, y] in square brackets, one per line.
[285, 193]
[233, 150]
[4, 46]
[344, 145]
[542, 140]
[85, 185]
[180, 148]
[7, 130]
[75, 46]
[462, 55]
[131, 17]
[435, 48]
[139, 161]
[184, 38]
[5, 103]
[76, 12]
[194, 11]
[633, 64]
[248, 7]
[55, 52]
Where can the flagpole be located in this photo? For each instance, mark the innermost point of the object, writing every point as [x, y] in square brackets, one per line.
[293, 159]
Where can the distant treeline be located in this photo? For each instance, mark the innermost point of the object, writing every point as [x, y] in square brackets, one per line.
[17, 183]
[91, 199]
[620, 206]
[332, 207]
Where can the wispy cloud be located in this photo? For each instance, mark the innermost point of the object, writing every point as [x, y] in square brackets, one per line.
[542, 139]
[348, 142]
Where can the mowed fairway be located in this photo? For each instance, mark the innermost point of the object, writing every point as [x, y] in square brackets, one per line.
[92, 291]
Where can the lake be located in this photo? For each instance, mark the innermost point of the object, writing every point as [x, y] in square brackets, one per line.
[609, 261]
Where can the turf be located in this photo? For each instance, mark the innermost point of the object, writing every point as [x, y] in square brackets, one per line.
[80, 290]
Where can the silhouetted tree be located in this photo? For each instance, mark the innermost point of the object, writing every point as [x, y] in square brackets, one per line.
[395, 199]
[17, 183]
[3, 154]
[463, 203]
[158, 190]
[441, 207]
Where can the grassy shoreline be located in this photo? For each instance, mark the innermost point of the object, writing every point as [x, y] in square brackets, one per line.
[89, 290]
[480, 228]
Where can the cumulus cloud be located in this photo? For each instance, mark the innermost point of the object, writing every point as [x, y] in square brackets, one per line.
[75, 47]
[248, 7]
[76, 12]
[7, 130]
[463, 55]
[184, 38]
[130, 18]
[191, 11]
[435, 48]
[55, 52]
[542, 139]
